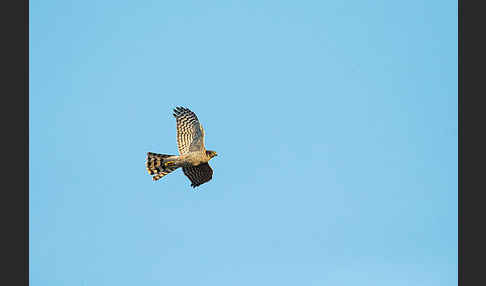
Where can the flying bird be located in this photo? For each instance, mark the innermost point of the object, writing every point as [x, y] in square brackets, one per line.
[193, 157]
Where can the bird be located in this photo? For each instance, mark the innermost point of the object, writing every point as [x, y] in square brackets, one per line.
[193, 157]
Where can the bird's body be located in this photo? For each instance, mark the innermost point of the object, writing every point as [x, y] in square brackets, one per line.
[193, 158]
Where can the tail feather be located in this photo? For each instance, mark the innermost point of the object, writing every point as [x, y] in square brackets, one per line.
[156, 165]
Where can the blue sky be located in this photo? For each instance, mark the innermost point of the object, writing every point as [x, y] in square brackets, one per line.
[335, 123]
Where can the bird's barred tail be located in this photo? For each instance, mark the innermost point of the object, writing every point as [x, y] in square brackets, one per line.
[157, 165]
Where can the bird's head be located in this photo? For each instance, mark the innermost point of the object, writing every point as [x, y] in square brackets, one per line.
[211, 154]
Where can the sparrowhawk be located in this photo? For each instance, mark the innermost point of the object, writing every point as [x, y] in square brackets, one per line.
[193, 156]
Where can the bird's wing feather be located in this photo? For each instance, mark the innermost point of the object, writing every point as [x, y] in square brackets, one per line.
[198, 174]
[190, 133]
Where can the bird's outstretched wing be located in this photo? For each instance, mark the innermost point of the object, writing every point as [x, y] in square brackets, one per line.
[190, 134]
[198, 174]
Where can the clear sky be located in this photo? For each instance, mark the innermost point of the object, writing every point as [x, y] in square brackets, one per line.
[335, 123]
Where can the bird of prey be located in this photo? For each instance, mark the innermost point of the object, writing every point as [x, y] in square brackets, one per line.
[193, 157]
